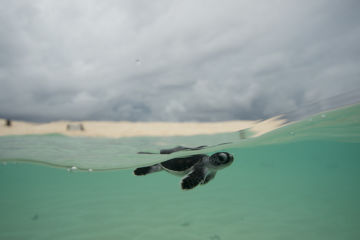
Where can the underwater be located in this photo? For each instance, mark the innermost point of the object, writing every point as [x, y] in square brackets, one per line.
[300, 181]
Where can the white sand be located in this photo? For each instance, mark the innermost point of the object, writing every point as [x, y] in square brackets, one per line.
[131, 129]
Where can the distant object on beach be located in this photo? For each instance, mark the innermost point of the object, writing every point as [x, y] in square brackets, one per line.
[8, 122]
[242, 134]
[75, 127]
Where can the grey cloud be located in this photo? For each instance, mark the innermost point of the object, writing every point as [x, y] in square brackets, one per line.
[231, 60]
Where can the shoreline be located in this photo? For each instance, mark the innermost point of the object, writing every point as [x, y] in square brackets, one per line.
[119, 129]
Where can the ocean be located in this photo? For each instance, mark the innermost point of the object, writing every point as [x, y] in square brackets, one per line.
[298, 182]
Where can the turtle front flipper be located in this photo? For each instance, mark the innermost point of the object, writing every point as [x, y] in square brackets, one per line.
[146, 170]
[209, 177]
[193, 179]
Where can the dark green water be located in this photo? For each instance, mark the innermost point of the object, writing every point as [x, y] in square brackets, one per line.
[305, 189]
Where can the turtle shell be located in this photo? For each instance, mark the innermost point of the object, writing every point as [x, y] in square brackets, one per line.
[182, 164]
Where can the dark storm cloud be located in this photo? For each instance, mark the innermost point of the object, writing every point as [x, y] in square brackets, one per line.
[176, 61]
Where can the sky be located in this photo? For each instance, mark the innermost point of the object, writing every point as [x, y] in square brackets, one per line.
[163, 60]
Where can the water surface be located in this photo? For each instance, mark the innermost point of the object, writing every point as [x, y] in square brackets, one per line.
[299, 182]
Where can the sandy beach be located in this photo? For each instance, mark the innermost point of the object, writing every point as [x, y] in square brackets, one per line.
[132, 129]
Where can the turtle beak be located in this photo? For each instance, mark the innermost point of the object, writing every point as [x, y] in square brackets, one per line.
[231, 157]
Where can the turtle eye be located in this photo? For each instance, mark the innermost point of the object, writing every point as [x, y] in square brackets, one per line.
[222, 157]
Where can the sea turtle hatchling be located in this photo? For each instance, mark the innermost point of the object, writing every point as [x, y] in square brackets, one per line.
[195, 169]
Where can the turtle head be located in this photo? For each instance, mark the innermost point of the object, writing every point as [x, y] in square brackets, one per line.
[220, 160]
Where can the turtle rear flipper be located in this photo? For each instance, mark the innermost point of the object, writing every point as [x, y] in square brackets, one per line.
[193, 179]
[146, 170]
